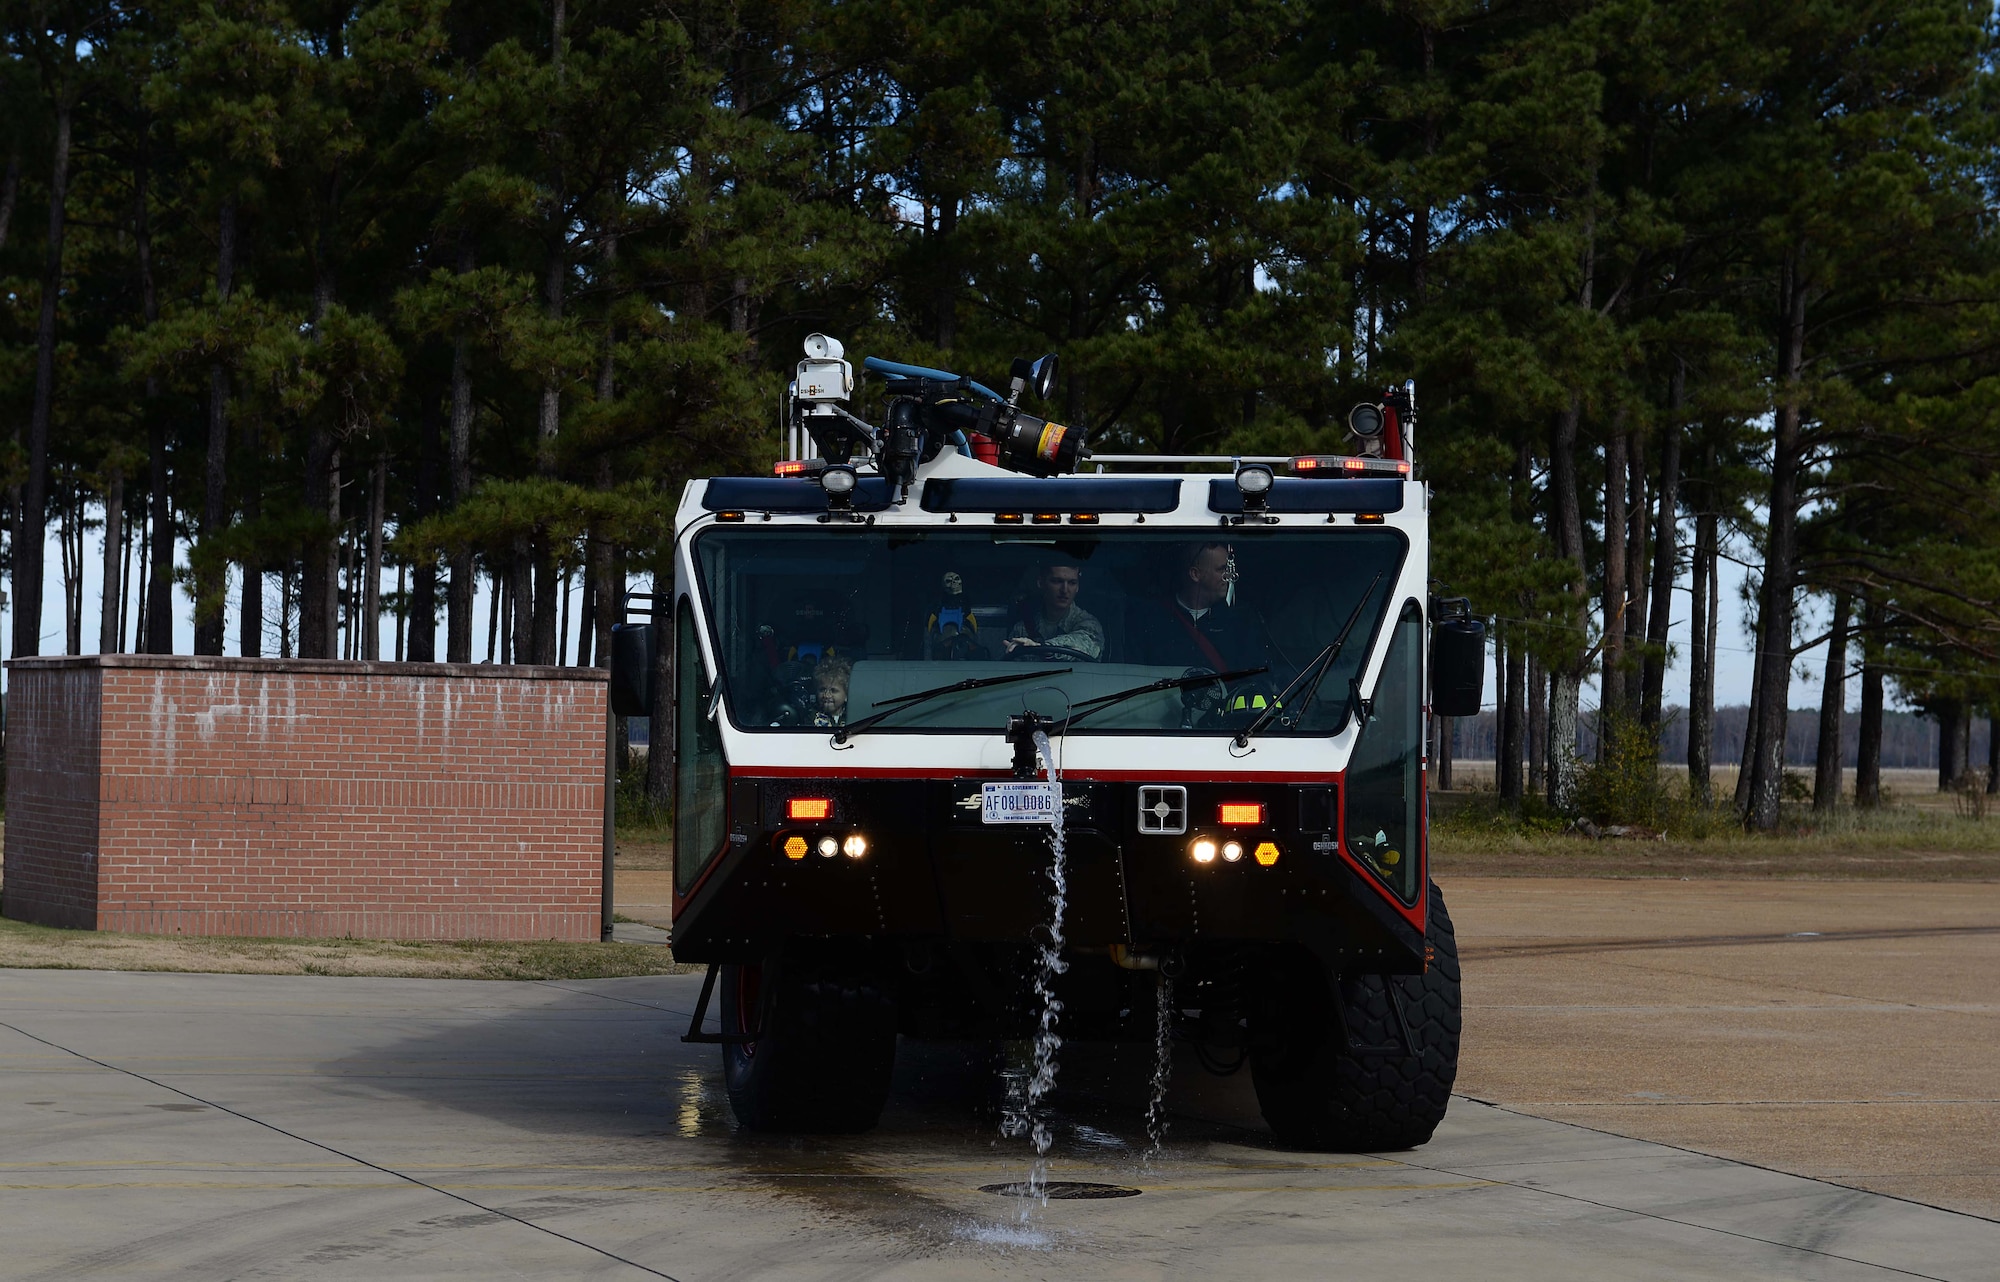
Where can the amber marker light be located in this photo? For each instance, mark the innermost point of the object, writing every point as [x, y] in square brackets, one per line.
[1242, 812]
[808, 808]
[795, 847]
[1266, 854]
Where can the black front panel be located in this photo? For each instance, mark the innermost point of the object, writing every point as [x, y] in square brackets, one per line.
[932, 870]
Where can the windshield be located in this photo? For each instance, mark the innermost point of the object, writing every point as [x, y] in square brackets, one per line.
[818, 629]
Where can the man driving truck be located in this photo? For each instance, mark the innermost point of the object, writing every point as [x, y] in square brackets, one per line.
[1051, 617]
[1194, 625]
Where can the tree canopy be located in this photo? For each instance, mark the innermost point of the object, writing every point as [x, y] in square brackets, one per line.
[299, 293]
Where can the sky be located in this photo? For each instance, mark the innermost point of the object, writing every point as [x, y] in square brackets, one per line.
[1733, 660]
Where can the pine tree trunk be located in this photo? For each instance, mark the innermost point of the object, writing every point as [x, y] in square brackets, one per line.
[1868, 752]
[496, 608]
[1638, 515]
[371, 581]
[250, 627]
[1753, 729]
[420, 611]
[125, 579]
[1832, 705]
[10, 190]
[139, 642]
[1701, 663]
[31, 505]
[1611, 686]
[111, 636]
[1992, 752]
[1775, 616]
[944, 294]
[211, 580]
[1538, 725]
[319, 586]
[155, 634]
[1950, 763]
[1566, 678]
[68, 536]
[542, 622]
[460, 591]
[521, 589]
[1515, 719]
[586, 615]
[1666, 557]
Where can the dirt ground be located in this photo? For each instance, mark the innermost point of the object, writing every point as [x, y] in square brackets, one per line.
[1842, 1031]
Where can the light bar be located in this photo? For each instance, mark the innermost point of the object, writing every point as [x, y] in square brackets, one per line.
[792, 467]
[1350, 465]
[809, 808]
[1242, 812]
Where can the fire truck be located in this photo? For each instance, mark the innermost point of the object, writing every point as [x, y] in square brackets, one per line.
[949, 688]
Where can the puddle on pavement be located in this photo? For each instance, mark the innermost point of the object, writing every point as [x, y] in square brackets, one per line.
[1060, 1190]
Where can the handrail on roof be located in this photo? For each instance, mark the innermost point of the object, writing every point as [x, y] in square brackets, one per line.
[1191, 458]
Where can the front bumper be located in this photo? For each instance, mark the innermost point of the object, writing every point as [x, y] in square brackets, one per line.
[933, 872]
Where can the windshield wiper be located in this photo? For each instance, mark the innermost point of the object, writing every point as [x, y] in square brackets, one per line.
[1315, 671]
[1091, 707]
[904, 702]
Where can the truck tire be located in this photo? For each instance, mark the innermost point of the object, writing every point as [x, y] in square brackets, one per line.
[825, 1048]
[1351, 1084]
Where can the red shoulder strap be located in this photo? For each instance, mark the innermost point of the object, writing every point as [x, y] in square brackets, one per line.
[1208, 649]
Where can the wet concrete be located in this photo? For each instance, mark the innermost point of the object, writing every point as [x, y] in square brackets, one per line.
[298, 1127]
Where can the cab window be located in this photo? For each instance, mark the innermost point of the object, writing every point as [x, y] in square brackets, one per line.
[1385, 779]
[700, 771]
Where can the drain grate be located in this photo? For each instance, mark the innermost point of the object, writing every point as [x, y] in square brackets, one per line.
[1061, 1190]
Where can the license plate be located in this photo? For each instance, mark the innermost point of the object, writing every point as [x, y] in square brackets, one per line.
[1018, 803]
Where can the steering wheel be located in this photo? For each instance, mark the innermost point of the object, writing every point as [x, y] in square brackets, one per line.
[1039, 653]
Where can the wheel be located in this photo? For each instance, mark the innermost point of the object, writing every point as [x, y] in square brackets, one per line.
[1335, 1072]
[825, 1047]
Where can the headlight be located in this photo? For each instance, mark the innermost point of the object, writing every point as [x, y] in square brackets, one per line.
[1253, 478]
[838, 480]
[855, 846]
[828, 847]
[1203, 851]
[1232, 851]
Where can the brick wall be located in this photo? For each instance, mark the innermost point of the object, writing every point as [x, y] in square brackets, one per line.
[173, 794]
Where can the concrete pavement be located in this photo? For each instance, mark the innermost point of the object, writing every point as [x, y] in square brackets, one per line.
[164, 1125]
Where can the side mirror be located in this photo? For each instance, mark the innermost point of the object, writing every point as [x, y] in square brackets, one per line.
[1458, 660]
[632, 669]
[1042, 375]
